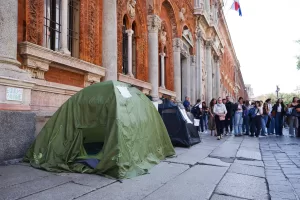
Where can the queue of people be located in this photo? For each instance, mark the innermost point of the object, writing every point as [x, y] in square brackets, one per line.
[223, 117]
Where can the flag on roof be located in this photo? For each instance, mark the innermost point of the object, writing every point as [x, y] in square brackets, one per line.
[237, 7]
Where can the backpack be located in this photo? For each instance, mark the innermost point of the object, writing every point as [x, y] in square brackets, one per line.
[196, 110]
[252, 112]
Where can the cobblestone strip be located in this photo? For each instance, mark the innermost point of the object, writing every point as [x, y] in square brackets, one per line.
[283, 175]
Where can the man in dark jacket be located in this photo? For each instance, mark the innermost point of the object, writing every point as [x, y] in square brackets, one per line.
[229, 115]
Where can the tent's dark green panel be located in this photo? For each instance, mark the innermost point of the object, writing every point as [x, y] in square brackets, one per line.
[127, 135]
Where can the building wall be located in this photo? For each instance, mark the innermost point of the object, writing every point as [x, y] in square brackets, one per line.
[176, 15]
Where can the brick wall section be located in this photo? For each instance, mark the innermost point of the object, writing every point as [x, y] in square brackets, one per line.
[57, 75]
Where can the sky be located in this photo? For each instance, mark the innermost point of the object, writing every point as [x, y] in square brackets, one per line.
[264, 41]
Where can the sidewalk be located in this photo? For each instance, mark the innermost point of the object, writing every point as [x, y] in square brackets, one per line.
[229, 169]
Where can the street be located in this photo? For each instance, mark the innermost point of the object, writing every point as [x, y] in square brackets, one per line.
[231, 169]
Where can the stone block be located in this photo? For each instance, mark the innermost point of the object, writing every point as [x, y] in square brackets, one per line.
[16, 134]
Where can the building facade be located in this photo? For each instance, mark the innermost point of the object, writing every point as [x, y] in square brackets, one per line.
[51, 49]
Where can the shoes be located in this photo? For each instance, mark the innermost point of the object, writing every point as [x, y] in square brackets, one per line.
[219, 138]
[264, 135]
[251, 135]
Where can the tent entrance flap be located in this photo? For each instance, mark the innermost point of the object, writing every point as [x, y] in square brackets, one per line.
[93, 140]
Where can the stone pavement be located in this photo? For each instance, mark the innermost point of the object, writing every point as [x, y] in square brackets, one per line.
[230, 169]
[281, 156]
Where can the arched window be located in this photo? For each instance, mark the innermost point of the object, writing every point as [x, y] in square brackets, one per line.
[124, 47]
[134, 50]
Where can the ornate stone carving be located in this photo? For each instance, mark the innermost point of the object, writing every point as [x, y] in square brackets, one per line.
[181, 14]
[154, 23]
[177, 44]
[131, 8]
[35, 21]
[90, 79]
[208, 43]
[198, 33]
[163, 38]
[35, 66]
[193, 59]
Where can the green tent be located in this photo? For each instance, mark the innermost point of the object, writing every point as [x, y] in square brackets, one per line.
[109, 122]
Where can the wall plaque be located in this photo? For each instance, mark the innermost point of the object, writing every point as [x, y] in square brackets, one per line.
[14, 94]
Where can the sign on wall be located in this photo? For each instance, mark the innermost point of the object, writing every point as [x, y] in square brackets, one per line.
[14, 94]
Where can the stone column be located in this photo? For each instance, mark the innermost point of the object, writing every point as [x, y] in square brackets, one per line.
[154, 25]
[198, 65]
[130, 33]
[207, 7]
[209, 71]
[186, 75]
[64, 28]
[193, 79]
[177, 44]
[109, 39]
[9, 66]
[162, 70]
[218, 77]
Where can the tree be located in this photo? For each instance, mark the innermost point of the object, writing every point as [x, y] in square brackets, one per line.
[287, 97]
[298, 57]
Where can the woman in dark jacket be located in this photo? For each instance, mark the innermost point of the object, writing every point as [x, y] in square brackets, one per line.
[278, 112]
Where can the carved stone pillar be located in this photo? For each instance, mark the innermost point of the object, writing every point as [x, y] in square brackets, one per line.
[198, 65]
[154, 25]
[9, 66]
[193, 79]
[129, 34]
[109, 39]
[177, 44]
[208, 45]
[64, 27]
[207, 7]
[218, 77]
[186, 76]
[162, 70]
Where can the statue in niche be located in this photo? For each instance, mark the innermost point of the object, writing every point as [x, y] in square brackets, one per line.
[163, 37]
[181, 15]
[131, 8]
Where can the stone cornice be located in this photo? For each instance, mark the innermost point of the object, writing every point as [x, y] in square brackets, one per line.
[47, 56]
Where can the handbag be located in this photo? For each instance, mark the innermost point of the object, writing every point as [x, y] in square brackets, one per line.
[222, 118]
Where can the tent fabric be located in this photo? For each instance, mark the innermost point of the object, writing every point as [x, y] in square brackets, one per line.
[182, 133]
[130, 133]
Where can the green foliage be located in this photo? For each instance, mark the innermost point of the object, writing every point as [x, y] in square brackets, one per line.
[287, 97]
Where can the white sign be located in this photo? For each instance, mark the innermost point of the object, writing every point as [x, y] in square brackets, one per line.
[14, 94]
[156, 105]
[124, 91]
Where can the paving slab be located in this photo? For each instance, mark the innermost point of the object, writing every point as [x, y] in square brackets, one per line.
[249, 162]
[247, 170]
[225, 150]
[198, 182]
[17, 174]
[248, 154]
[243, 186]
[91, 180]
[223, 197]
[32, 187]
[138, 187]
[66, 191]
[214, 161]
[191, 157]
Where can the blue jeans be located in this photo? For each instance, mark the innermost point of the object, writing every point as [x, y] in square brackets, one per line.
[205, 121]
[244, 124]
[247, 124]
[264, 121]
[238, 123]
[278, 123]
[271, 129]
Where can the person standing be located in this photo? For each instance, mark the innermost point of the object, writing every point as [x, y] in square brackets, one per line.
[278, 112]
[187, 104]
[264, 118]
[205, 115]
[197, 112]
[211, 117]
[220, 114]
[238, 110]
[258, 117]
[246, 117]
[229, 115]
[292, 118]
[271, 128]
[298, 113]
